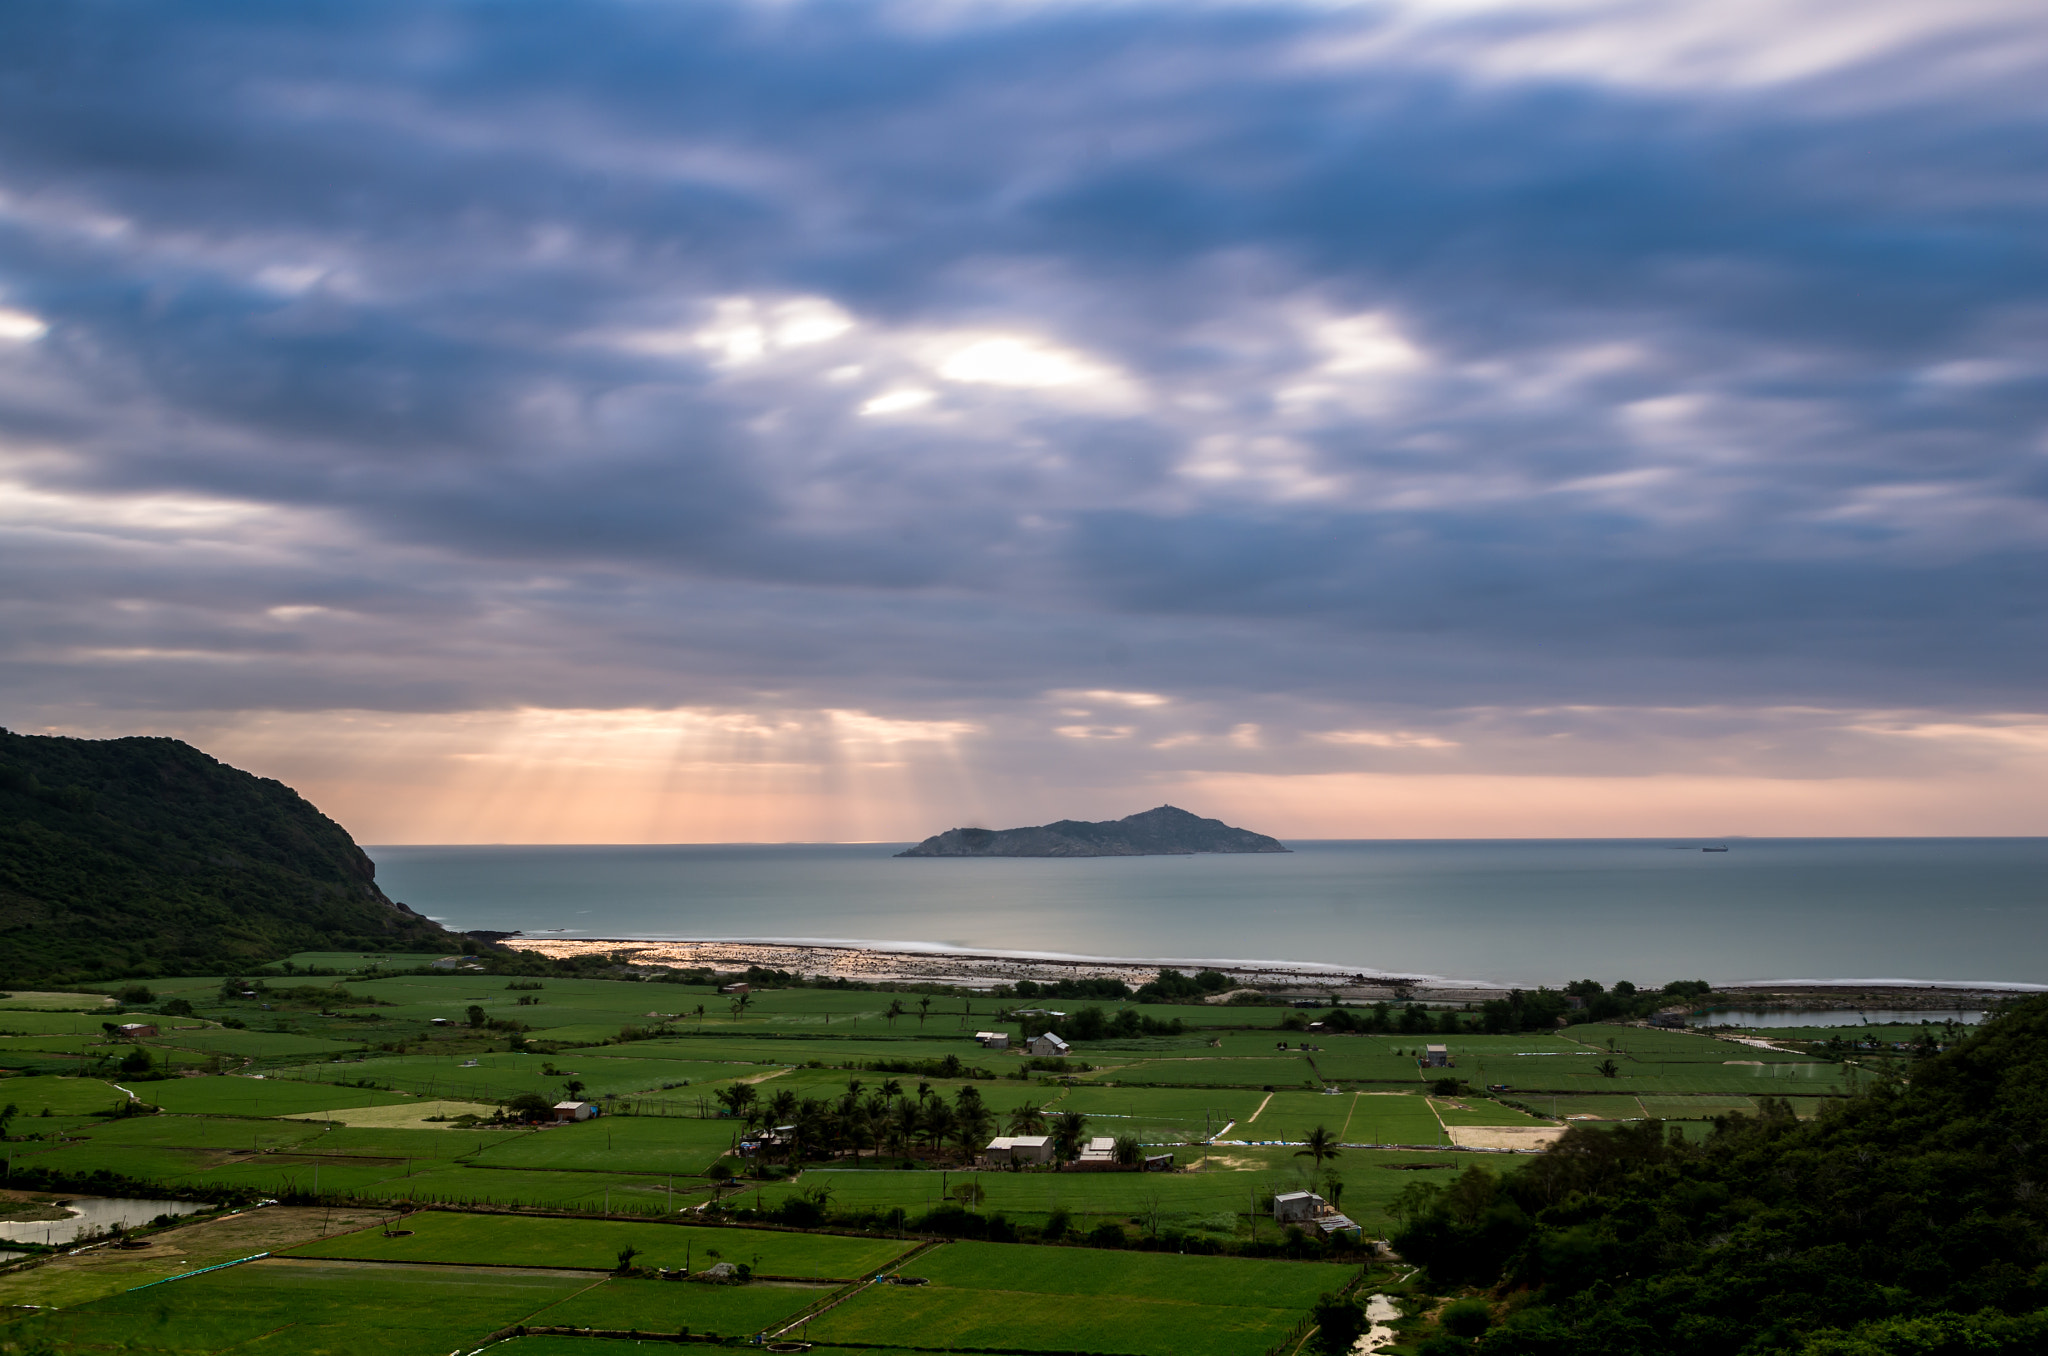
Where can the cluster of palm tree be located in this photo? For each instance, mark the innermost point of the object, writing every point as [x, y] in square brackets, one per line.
[864, 1118]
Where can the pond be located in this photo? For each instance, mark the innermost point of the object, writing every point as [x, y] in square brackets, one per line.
[89, 1214]
[1766, 1017]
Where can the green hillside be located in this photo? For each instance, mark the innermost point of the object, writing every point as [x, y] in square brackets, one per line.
[1906, 1220]
[144, 856]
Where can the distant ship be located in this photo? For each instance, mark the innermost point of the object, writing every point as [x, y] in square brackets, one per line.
[1718, 849]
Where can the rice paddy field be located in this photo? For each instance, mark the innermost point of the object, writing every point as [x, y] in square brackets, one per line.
[989, 1295]
[359, 1109]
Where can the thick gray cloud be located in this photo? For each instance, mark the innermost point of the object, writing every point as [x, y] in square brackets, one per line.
[1290, 362]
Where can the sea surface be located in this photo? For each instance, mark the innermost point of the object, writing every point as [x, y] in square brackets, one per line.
[1512, 912]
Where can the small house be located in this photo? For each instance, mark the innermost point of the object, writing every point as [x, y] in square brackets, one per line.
[136, 1030]
[993, 1040]
[1048, 1046]
[735, 990]
[1309, 1210]
[574, 1111]
[438, 1021]
[1159, 1162]
[1098, 1154]
[1019, 1149]
[1437, 1056]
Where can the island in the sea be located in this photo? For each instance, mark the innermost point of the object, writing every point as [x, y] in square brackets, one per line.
[1166, 831]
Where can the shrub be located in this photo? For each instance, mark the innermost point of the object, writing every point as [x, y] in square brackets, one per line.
[1467, 1318]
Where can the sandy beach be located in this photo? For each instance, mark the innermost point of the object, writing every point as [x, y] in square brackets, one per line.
[978, 970]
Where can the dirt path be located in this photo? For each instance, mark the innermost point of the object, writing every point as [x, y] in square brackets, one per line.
[1262, 1106]
[1528, 1138]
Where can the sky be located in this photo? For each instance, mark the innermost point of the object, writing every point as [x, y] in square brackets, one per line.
[773, 421]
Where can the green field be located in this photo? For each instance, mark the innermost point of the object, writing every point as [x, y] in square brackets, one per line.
[22, 999]
[60, 1096]
[254, 1044]
[668, 1306]
[444, 1236]
[990, 1295]
[293, 1308]
[235, 1096]
[618, 1144]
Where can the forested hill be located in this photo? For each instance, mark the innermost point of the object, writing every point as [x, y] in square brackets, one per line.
[1907, 1220]
[145, 856]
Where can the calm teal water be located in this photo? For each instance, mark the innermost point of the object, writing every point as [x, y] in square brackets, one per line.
[1521, 912]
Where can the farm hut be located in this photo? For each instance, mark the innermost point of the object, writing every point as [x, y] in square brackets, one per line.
[574, 1111]
[1019, 1149]
[735, 989]
[993, 1040]
[1098, 1154]
[1047, 1045]
[1312, 1211]
[1159, 1162]
[1437, 1056]
[136, 1030]
[438, 1021]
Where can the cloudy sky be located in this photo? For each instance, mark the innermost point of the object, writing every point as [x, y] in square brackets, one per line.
[668, 421]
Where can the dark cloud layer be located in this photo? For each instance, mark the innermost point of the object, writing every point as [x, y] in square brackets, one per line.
[417, 357]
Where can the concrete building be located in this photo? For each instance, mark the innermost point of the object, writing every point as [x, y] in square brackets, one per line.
[1098, 1154]
[136, 1030]
[735, 989]
[1311, 1211]
[993, 1040]
[1019, 1149]
[1047, 1046]
[574, 1111]
[1437, 1056]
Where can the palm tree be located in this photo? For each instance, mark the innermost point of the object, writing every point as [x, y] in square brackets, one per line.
[924, 1006]
[904, 1126]
[891, 1089]
[896, 1009]
[1069, 1128]
[971, 1117]
[1321, 1144]
[939, 1122]
[740, 1004]
[1607, 1068]
[574, 1087]
[1027, 1118]
[781, 1107]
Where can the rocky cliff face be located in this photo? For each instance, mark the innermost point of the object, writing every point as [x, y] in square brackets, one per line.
[1166, 831]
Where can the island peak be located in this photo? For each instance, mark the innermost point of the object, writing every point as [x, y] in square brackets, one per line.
[1165, 831]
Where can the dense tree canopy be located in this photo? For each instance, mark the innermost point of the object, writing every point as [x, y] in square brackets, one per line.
[1909, 1219]
[145, 856]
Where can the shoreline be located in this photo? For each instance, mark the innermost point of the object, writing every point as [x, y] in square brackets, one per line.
[969, 968]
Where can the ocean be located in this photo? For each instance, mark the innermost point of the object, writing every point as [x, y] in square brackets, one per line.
[1519, 912]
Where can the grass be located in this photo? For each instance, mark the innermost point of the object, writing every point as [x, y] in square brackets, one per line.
[306, 1309]
[1209, 1071]
[991, 1295]
[667, 1306]
[618, 1144]
[19, 999]
[253, 1044]
[235, 1096]
[502, 1076]
[446, 1236]
[27, 1022]
[60, 1096]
